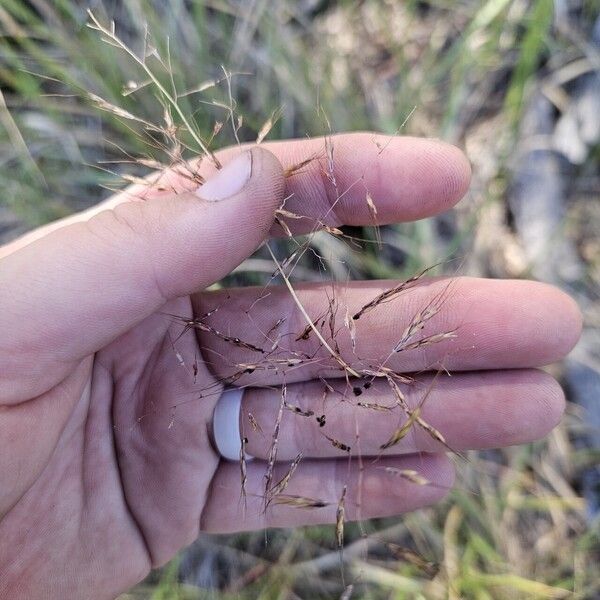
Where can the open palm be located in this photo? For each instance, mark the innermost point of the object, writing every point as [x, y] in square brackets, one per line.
[106, 463]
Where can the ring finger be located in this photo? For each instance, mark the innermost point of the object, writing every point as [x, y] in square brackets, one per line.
[470, 410]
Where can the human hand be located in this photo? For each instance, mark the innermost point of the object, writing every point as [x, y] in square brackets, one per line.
[101, 479]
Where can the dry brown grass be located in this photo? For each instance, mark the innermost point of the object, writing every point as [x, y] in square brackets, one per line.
[516, 526]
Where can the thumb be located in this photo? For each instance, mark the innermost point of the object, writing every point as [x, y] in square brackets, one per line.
[74, 290]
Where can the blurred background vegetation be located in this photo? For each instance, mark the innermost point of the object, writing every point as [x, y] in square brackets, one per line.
[515, 83]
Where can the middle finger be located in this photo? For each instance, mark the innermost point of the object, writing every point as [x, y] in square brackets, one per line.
[261, 334]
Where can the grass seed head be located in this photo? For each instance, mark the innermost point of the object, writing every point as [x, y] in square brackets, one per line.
[282, 484]
[400, 433]
[340, 518]
[298, 411]
[339, 445]
[299, 501]
[408, 474]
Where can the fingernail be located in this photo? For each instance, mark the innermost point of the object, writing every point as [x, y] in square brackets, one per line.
[229, 180]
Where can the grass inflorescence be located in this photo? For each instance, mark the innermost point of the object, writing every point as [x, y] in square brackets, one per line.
[515, 526]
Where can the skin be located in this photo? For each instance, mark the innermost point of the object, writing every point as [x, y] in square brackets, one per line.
[102, 480]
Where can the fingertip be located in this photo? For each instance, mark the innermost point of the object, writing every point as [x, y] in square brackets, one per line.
[553, 402]
[264, 162]
[555, 305]
[458, 172]
[445, 173]
[573, 320]
[533, 409]
[550, 403]
[248, 214]
[513, 323]
[266, 185]
[435, 175]
[261, 180]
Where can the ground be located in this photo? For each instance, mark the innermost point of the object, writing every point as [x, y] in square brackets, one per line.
[513, 82]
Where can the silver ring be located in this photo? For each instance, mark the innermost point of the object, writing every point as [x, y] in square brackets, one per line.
[226, 424]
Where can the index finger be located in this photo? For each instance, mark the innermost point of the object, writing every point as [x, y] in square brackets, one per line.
[408, 178]
[329, 178]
